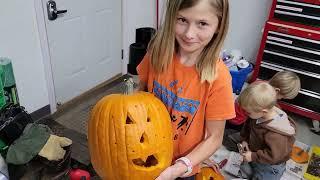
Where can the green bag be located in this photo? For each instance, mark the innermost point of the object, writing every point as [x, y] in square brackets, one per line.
[2, 96]
[8, 82]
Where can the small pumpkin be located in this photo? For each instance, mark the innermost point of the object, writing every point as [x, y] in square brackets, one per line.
[130, 137]
[207, 173]
[299, 155]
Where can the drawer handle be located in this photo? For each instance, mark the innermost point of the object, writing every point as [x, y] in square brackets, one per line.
[283, 29]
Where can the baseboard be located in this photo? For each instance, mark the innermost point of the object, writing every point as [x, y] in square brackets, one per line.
[45, 111]
[40, 113]
[98, 89]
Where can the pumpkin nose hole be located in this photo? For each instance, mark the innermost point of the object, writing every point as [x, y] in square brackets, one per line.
[129, 120]
[211, 178]
[148, 119]
[144, 138]
[151, 161]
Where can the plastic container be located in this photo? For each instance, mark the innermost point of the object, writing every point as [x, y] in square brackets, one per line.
[136, 54]
[79, 174]
[2, 94]
[144, 35]
[239, 77]
[8, 82]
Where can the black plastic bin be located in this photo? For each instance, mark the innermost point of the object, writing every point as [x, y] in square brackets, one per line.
[136, 54]
[144, 35]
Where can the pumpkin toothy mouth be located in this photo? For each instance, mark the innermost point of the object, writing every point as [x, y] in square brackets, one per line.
[150, 161]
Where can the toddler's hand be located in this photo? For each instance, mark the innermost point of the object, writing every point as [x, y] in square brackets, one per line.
[247, 156]
[245, 146]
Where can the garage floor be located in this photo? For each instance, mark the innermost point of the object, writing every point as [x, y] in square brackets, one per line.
[76, 118]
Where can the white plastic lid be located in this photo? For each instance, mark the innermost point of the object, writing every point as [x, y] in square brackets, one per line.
[243, 63]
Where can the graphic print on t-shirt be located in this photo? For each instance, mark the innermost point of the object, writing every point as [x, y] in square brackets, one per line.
[182, 110]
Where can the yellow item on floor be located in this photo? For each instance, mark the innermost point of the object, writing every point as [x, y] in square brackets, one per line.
[313, 169]
[53, 149]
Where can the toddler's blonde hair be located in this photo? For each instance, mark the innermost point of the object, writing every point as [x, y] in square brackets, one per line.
[258, 96]
[287, 82]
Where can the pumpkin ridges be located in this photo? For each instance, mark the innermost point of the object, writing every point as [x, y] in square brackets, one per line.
[95, 139]
[101, 150]
[137, 110]
[105, 148]
[90, 132]
[134, 127]
[152, 134]
[152, 108]
[118, 110]
[158, 105]
[113, 145]
[93, 149]
[158, 112]
[118, 165]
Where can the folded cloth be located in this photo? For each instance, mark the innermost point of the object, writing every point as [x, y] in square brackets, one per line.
[29, 144]
[53, 149]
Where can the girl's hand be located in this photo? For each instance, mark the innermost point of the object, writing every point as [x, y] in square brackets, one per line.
[173, 172]
[247, 156]
[212, 164]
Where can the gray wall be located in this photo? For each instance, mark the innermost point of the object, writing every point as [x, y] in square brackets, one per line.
[19, 40]
[247, 19]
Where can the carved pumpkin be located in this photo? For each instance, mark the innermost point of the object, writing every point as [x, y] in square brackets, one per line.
[207, 173]
[299, 155]
[130, 137]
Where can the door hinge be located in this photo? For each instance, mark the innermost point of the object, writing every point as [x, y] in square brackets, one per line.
[121, 53]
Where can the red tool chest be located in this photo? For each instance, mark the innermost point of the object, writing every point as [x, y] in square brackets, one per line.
[291, 41]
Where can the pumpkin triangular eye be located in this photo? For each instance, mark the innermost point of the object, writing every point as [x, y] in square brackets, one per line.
[129, 120]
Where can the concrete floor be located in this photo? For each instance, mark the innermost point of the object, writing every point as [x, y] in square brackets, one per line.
[76, 118]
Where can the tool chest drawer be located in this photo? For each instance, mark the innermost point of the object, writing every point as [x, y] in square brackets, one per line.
[290, 50]
[309, 81]
[306, 12]
[306, 100]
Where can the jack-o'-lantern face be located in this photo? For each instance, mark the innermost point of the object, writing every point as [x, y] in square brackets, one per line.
[130, 137]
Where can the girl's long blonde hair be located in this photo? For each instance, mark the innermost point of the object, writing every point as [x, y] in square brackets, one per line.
[163, 45]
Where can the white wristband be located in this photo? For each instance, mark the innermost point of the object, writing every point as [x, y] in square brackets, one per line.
[188, 163]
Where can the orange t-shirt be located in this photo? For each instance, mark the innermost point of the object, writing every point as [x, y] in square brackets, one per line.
[189, 101]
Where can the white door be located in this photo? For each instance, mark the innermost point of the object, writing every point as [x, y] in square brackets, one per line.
[84, 45]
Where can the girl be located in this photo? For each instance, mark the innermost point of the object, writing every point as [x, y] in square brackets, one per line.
[182, 69]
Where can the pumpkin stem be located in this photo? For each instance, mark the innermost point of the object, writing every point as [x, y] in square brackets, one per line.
[128, 86]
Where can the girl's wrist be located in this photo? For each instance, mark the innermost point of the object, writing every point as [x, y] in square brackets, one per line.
[180, 168]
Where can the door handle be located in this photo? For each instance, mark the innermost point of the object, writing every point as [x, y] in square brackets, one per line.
[52, 10]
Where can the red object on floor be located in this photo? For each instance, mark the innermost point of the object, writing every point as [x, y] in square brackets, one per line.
[79, 174]
[241, 115]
